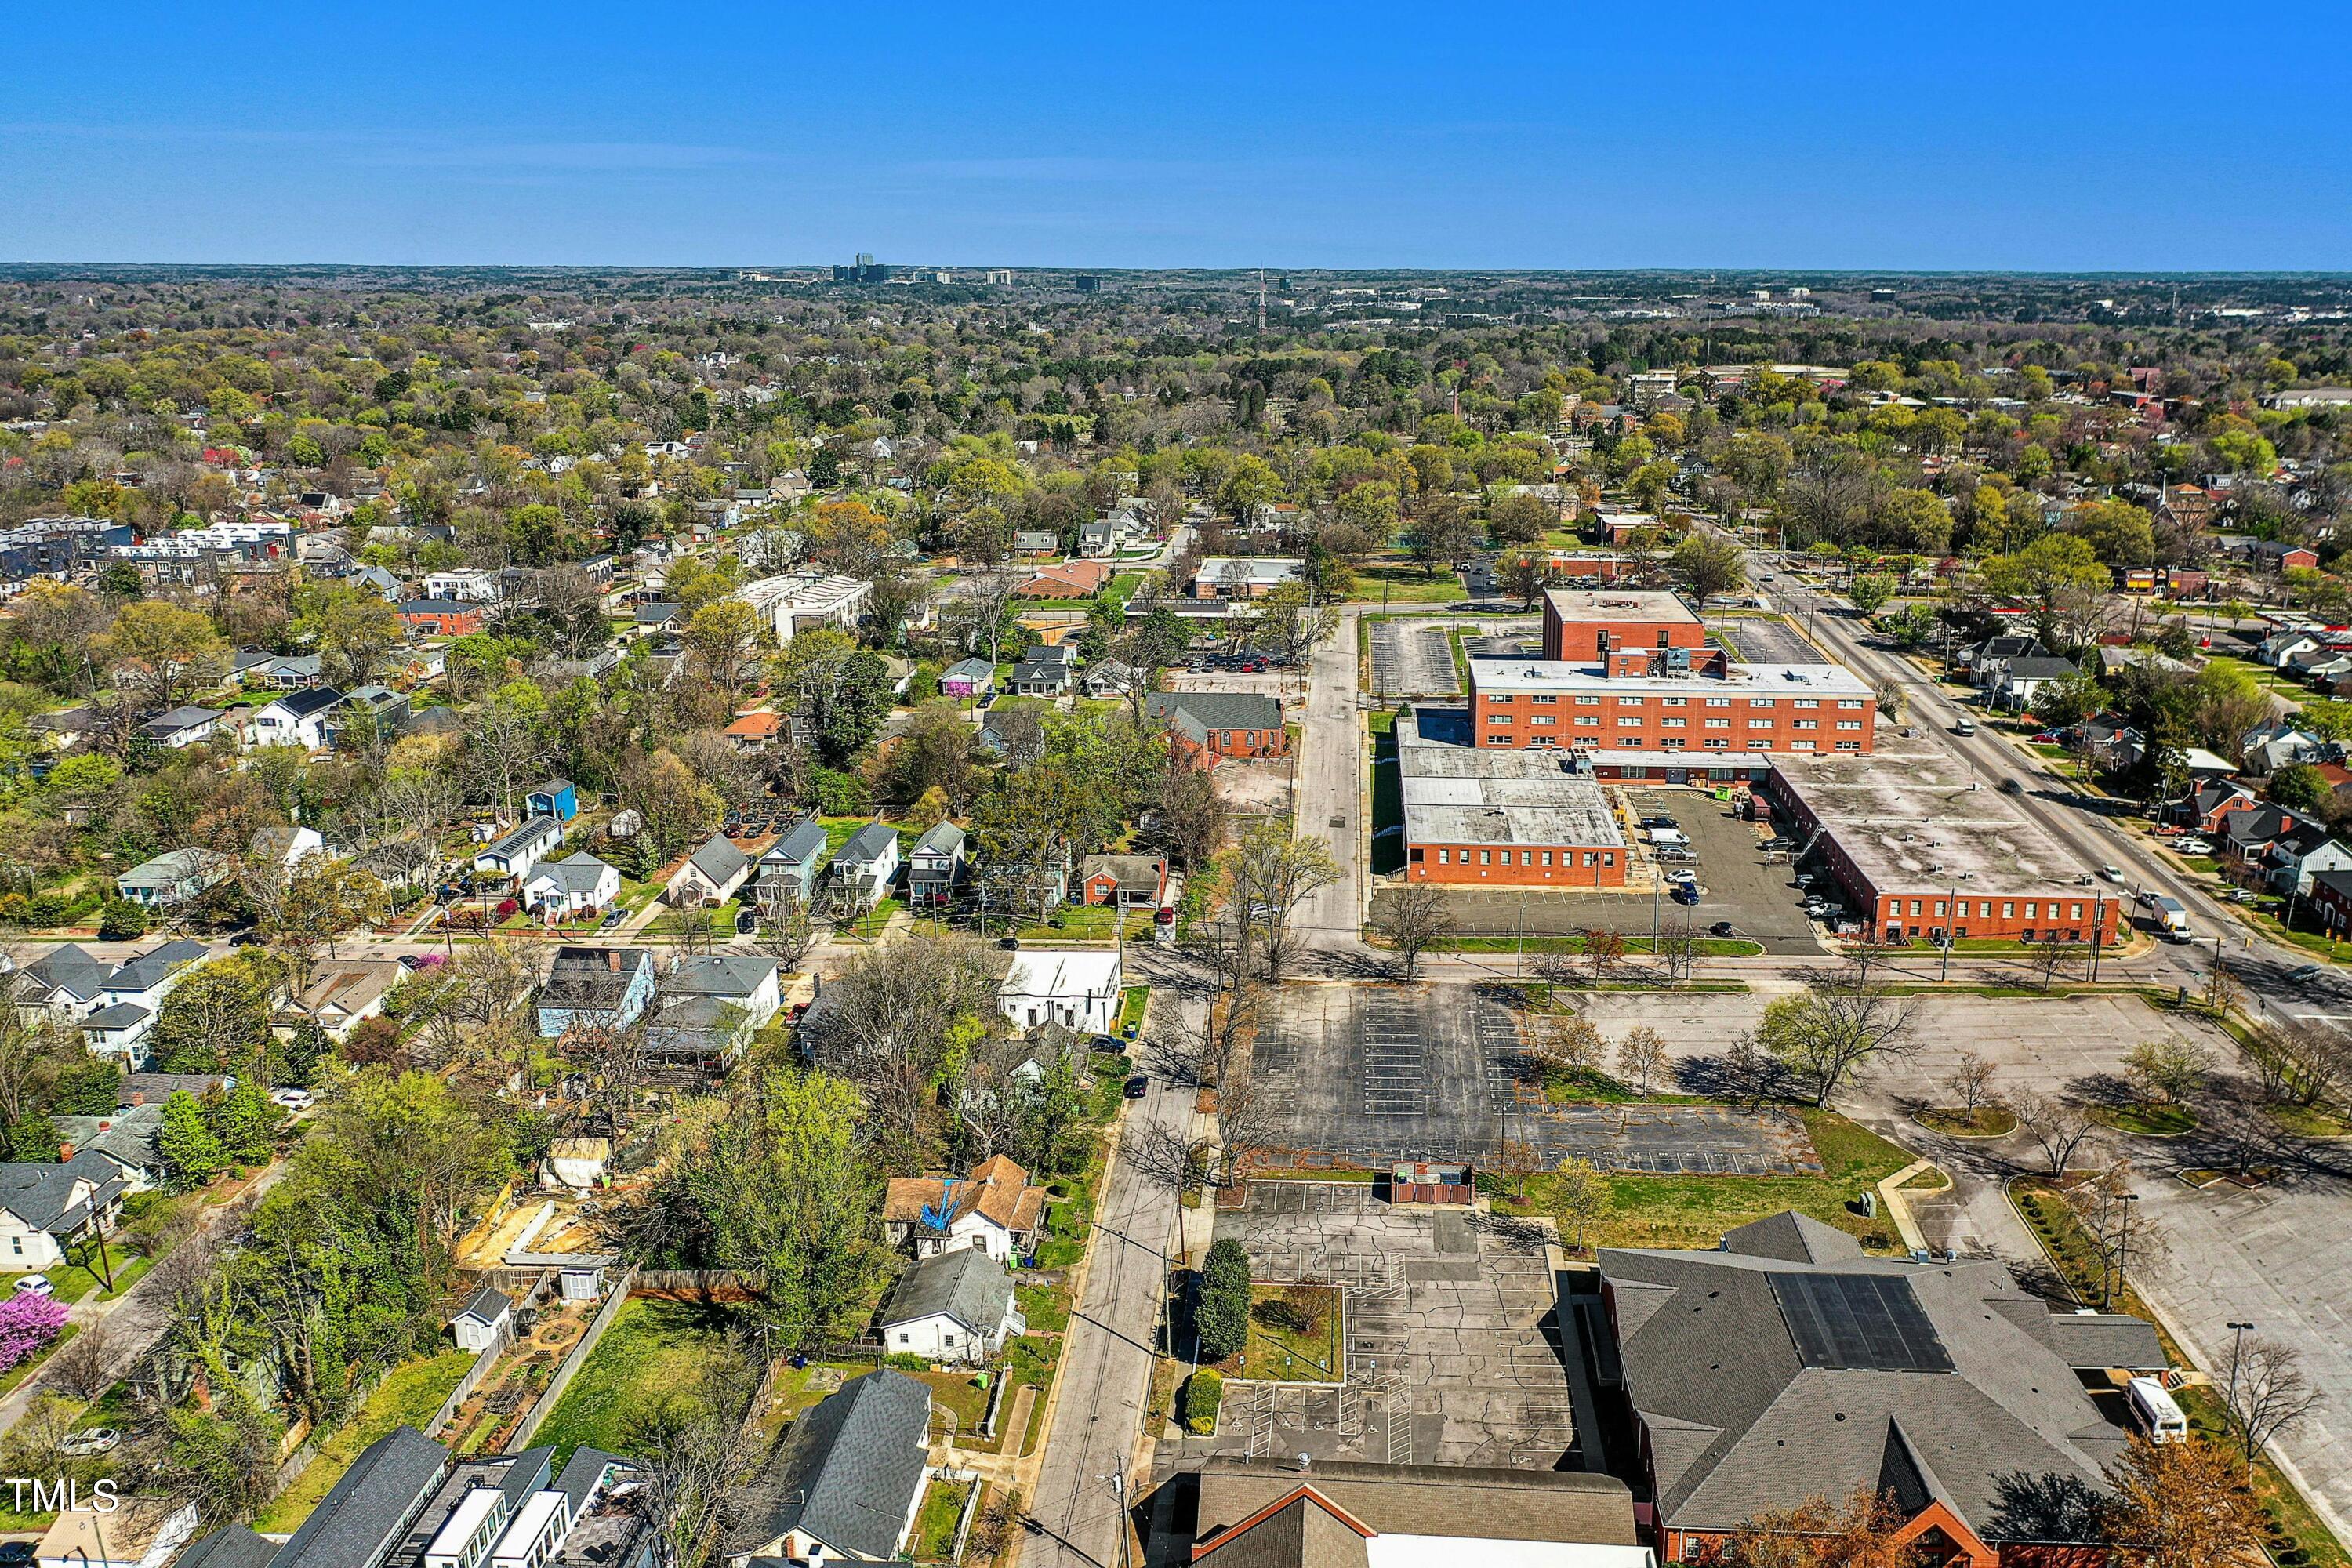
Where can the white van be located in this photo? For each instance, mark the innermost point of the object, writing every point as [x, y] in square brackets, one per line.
[1663, 837]
[2155, 1412]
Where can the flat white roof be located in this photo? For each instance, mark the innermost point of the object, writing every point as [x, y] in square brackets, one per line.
[1911, 819]
[1742, 680]
[1060, 971]
[1619, 605]
[529, 1522]
[1456, 793]
[472, 1510]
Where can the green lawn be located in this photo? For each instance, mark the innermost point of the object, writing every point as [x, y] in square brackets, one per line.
[1707, 946]
[935, 1525]
[2149, 1121]
[1409, 585]
[408, 1398]
[652, 1347]
[1984, 1122]
[1088, 922]
[1279, 1354]
[1132, 1001]
[1693, 1212]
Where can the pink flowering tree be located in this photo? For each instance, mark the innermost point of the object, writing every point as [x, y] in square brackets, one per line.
[27, 1324]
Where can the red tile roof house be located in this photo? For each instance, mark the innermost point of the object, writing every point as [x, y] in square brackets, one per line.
[1206, 727]
[1070, 580]
[441, 617]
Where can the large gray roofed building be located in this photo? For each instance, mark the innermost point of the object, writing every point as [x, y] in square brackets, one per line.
[371, 1507]
[1788, 1365]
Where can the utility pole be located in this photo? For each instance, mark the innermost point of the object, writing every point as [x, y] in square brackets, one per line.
[2237, 1354]
[1951, 933]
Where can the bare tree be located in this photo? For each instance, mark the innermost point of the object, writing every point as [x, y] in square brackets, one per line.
[1412, 920]
[1568, 1042]
[1580, 1194]
[692, 1450]
[84, 1366]
[785, 932]
[1274, 872]
[1642, 1057]
[2264, 1391]
[2122, 1236]
[2166, 1071]
[1826, 1037]
[1604, 951]
[2058, 1126]
[2053, 960]
[1970, 1081]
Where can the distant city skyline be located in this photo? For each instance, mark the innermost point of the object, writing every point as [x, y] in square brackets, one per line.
[1852, 138]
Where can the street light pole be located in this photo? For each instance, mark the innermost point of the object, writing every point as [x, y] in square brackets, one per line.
[2237, 1348]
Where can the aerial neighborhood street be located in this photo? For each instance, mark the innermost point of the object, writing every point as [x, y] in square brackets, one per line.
[1171, 913]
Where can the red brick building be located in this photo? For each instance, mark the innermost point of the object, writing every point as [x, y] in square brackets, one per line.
[441, 617]
[1919, 852]
[1206, 727]
[1497, 819]
[1580, 624]
[1688, 720]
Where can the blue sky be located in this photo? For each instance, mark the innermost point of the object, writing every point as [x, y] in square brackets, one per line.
[2073, 136]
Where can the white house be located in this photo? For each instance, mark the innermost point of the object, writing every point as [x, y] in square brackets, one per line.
[139, 1531]
[710, 1004]
[296, 719]
[952, 1307]
[174, 877]
[711, 875]
[516, 854]
[572, 886]
[795, 600]
[45, 1208]
[1076, 987]
[486, 1318]
[473, 588]
[994, 1210]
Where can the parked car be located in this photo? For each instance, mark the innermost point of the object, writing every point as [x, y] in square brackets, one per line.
[1112, 1044]
[97, 1440]
[1137, 1086]
[747, 921]
[1685, 893]
[1722, 928]
[1659, 821]
[2192, 846]
[296, 1100]
[1780, 841]
[17, 1554]
[2011, 787]
[1676, 852]
[612, 919]
[2241, 895]
[36, 1285]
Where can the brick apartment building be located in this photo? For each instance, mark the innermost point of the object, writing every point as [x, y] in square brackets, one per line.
[1649, 722]
[1499, 818]
[1581, 624]
[1917, 851]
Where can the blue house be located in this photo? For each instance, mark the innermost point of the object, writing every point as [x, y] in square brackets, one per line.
[787, 871]
[552, 797]
[595, 988]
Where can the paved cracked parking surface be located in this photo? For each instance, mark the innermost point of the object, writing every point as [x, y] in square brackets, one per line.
[1415, 658]
[1764, 639]
[1452, 1355]
[1371, 1075]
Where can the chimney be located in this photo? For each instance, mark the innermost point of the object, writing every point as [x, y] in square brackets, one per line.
[65, 1152]
[613, 961]
[105, 1126]
[138, 1098]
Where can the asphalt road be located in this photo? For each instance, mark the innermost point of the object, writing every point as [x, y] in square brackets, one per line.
[1105, 1377]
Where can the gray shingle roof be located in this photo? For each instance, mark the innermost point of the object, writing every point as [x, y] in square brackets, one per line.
[867, 845]
[849, 1473]
[719, 859]
[369, 1507]
[577, 873]
[943, 839]
[724, 975]
[587, 978]
[966, 1284]
[802, 843]
[42, 1194]
[1792, 1237]
[1199, 711]
[1739, 1425]
[235, 1547]
[486, 1305]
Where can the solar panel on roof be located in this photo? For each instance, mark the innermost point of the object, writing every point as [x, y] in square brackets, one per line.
[1858, 1322]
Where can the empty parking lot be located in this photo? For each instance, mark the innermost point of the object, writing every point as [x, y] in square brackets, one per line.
[1413, 658]
[1367, 1076]
[1763, 639]
[1452, 1357]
